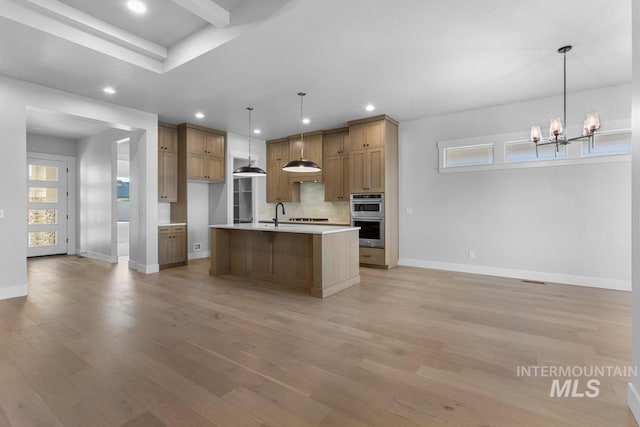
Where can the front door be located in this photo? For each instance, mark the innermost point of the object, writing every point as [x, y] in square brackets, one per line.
[46, 207]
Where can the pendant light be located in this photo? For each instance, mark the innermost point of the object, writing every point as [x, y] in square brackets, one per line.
[558, 135]
[249, 170]
[301, 165]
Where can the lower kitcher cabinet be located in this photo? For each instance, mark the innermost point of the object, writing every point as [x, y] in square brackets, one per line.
[172, 245]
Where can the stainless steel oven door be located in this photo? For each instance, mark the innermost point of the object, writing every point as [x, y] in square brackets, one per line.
[367, 205]
[371, 231]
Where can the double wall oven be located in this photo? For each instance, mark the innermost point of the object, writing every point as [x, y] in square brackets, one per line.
[367, 212]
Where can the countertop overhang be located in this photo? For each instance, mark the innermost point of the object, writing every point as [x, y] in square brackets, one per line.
[288, 228]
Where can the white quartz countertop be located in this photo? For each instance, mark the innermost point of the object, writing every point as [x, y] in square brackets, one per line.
[289, 228]
[170, 224]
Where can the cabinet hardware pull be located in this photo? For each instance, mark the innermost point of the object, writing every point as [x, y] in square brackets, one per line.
[366, 256]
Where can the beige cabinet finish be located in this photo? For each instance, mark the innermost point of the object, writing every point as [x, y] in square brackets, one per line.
[172, 245]
[308, 148]
[374, 169]
[368, 157]
[167, 163]
[205, 153]
[336, 165]
[280, 187]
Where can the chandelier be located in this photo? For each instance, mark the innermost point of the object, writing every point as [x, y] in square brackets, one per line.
[557, 134]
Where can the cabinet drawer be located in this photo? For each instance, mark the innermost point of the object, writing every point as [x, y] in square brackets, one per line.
[373, 256]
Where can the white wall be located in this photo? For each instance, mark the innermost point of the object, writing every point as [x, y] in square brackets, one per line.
[633, 396]
[16, 96]
[569, 223]
[96, 160]
[47, 144]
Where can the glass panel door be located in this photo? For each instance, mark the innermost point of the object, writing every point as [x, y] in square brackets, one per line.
[46, 207]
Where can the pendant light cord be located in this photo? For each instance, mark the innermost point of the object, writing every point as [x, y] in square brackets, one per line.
[565, 95]
[301, 95]
[250, 109]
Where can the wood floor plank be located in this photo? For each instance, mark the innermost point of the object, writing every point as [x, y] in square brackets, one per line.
[99, 344]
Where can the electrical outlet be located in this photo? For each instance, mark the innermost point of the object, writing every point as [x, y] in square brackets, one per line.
[197, 246]
[472, 254]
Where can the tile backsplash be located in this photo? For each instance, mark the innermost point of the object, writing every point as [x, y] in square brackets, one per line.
[312, 205]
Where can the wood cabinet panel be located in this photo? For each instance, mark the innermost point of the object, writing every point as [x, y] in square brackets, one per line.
[358, 171]
[205, 151]
[336, 166]
[172, 245]
[375, 169]
[167, 163]
[280, 187]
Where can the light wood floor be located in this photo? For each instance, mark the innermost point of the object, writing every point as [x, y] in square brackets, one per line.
[100, 345]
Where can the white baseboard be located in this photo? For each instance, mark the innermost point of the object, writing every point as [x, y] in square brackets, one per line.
[148, 269]
[13, 291]
[633, 400]
[98, 257]
[133, 265]
[199, 254]
[593, 282]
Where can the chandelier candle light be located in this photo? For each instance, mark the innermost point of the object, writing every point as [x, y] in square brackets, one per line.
[558, 135]
[249, 170]
[301, 165]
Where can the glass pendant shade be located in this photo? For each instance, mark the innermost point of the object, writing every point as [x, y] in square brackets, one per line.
[591, 123]
[555, 128]
[536, 133]
[249, 171]
[301, 165]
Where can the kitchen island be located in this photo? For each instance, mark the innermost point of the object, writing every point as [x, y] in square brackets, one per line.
[318, 259]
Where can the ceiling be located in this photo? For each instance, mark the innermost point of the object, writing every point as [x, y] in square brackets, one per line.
[411, 58]
[63, 125]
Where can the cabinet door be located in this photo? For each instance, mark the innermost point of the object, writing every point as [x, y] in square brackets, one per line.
[179, 243]
[375, 170]
[169, 177]
[357, 171]
[214, 145]
[374, 134]
[344, 176]
[273, 153]
[273, 182]
[195, 141]
[333, 144]
[196, 166]
[358, 137]
[215, 169]
[285, 185]
[165, 255]
[333, 179]
[170, 139]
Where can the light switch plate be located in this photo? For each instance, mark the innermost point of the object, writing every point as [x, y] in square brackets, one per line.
[1, 213]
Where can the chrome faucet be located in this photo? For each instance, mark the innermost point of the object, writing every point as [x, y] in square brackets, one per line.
[275, 220]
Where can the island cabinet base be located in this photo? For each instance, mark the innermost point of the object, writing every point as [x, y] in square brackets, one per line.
[321, 264]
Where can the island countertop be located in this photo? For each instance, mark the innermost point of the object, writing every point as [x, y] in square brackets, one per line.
[288, 228]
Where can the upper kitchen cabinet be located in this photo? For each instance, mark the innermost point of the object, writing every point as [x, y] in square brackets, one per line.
[374, 155]
[204, 150]
[280, 187]
[167, 163]
[309, 149]
[336, 165]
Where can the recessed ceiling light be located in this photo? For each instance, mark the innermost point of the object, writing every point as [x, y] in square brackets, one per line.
[370, 107]
[199, 115]
[109, 90]
[257, 131]
[306, 121]
[137, 6]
